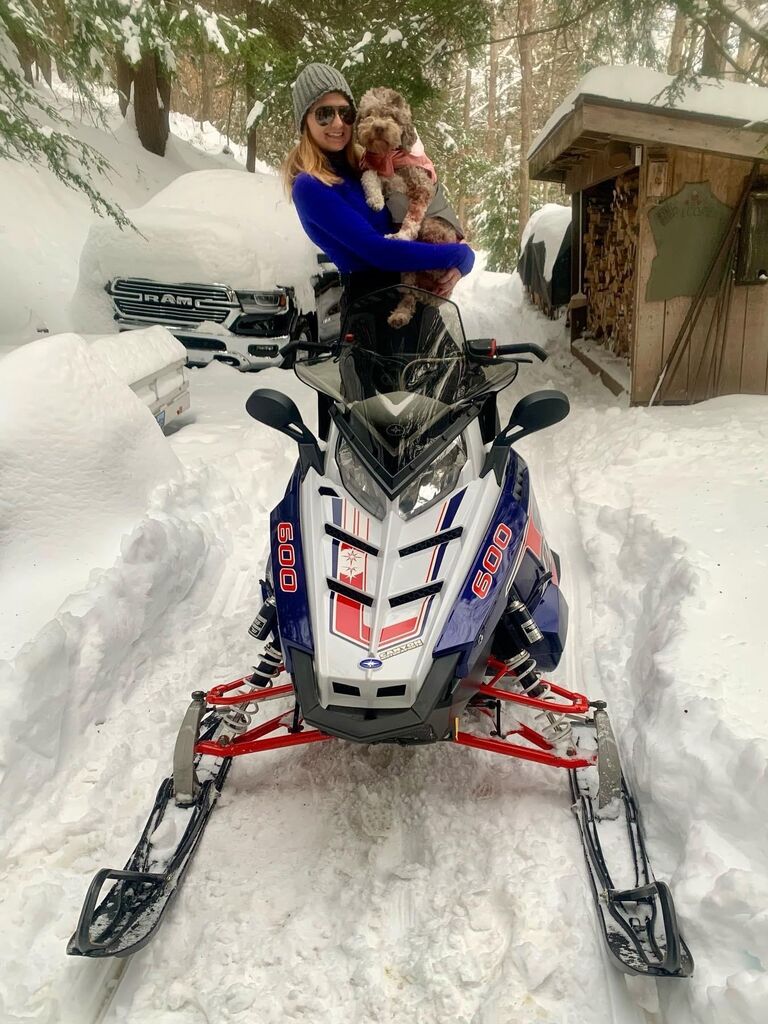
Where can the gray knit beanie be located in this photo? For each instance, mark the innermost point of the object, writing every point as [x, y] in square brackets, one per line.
[313, 82]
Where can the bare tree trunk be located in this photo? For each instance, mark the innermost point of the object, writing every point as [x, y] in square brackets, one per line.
[151, 99]
[712, 60]
[747, 46]
[205, 87]
[467, 123]
[493, 73]
[525, 48]
[26, 52]
[44, 64]
[164, 94]
[677, 44]
[123, 81]
[689, 60]
[250, 96]
[250, 99]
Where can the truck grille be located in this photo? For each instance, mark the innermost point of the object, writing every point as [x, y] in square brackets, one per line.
[177, 305]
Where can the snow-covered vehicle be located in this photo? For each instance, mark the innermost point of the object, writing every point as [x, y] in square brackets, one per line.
[219, 258]
[544, 265]
[153, 364]
[411, 598]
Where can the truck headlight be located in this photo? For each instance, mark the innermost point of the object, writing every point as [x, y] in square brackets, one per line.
[358, 481]
[434, 483]
[263, 300]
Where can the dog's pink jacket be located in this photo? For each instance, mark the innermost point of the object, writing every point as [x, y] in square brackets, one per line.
[385, 164]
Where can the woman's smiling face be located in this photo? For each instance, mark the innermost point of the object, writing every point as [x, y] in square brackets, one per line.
[334, 136]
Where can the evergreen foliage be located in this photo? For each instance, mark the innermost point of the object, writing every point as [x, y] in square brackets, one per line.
[465, 92]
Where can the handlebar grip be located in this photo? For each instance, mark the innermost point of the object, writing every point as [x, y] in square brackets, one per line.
[523, 349]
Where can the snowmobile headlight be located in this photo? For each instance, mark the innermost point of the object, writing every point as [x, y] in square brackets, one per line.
[359, 482]
[435, 482]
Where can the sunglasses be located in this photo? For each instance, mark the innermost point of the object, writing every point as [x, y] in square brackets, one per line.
[324, 115]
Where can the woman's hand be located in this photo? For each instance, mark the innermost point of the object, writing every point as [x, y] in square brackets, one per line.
[445, 284]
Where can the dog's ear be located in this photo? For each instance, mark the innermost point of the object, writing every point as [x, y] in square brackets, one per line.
[409, 136]
[402, 113]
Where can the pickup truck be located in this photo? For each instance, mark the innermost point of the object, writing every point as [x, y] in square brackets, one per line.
[221, 260]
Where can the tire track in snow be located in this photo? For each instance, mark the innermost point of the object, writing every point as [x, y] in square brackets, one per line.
[581, 674]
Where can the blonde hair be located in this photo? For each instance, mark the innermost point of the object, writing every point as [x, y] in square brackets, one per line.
[306, 157]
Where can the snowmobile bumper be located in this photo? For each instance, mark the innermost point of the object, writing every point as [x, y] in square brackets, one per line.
[428, 720]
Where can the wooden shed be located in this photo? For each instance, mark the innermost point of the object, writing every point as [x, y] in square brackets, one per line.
[669, 273]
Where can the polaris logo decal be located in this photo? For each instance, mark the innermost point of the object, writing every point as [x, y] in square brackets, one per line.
[370, 664]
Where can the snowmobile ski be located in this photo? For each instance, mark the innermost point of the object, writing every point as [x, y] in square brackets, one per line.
[130, 913]
[635, 911]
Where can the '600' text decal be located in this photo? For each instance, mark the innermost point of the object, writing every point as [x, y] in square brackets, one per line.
[491, 561]
[286, 557]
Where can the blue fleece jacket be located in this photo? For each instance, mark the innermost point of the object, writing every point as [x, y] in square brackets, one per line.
[340, 222]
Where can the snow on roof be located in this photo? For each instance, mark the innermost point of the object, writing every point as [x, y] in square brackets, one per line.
[646, 87]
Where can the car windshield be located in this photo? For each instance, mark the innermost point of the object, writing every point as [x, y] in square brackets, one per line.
[401, 388]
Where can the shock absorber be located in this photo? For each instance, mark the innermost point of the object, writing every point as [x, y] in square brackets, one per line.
[271, 657]
[262, 625]
[237, 717]
[554, 727]
[268, 667]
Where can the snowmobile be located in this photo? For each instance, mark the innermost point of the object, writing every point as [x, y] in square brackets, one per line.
[410, 597]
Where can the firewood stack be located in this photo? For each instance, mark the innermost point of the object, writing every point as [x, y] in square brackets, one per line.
[610, 250]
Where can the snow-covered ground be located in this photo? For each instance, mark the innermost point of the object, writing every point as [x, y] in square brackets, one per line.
[344, 883]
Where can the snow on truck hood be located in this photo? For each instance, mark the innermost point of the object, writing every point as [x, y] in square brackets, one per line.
[223, 227]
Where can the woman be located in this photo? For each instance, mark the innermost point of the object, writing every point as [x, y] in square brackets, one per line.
[322, 173]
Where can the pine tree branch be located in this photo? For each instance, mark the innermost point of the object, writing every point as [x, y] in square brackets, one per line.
[541, 30]
[736, 18]
[746, 72]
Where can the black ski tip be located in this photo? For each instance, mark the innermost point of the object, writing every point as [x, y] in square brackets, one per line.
[124, 921]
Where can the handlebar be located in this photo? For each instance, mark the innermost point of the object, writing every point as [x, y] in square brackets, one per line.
[488, 350]
[307, 346]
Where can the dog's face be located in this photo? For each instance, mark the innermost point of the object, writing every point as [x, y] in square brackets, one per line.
[384, 122]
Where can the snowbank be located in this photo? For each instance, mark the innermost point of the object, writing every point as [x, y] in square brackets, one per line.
[633, 84]
[207, 227]
[82, 703]
[672, 505]
[79, 456]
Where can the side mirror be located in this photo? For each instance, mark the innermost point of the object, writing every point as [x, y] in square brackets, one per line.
[534, 412]
[539, 410]
[278, 411]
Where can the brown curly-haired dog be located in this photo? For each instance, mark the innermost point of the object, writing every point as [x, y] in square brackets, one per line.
[394, 161]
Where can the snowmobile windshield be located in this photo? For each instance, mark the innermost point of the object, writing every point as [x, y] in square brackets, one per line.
[406, 392]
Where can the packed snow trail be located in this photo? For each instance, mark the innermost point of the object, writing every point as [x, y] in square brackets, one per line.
[390, 884]
[346, 883]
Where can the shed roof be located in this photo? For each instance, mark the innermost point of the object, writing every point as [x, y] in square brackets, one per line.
[638, 105]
